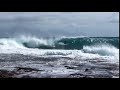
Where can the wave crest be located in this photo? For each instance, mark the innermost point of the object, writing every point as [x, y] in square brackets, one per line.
[87, 44]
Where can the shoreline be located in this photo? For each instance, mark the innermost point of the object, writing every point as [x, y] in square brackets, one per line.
[26, 66]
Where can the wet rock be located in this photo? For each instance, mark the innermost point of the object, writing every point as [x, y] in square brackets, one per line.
[70, 67]
[25, 69]
[86, 70]
[78, 75]
[22, 66]
[7, 74]
[26, 76]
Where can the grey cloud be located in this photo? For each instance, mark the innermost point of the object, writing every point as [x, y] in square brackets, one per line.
[60, 23]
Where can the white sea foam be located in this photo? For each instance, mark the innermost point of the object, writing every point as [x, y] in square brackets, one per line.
[10, 44]
[56, 53]
[104, 50]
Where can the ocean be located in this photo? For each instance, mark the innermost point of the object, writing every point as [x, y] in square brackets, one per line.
[75, 57]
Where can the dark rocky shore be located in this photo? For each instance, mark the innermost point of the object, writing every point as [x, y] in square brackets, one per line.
[16, 73]
[24, 66]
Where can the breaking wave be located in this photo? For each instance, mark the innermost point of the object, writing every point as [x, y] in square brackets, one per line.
[26, 42]
[65, 46]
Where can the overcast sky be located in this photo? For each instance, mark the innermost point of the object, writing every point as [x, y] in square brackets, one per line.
[60, 23]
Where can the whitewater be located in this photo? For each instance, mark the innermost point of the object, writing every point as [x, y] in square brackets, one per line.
[65, 58]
